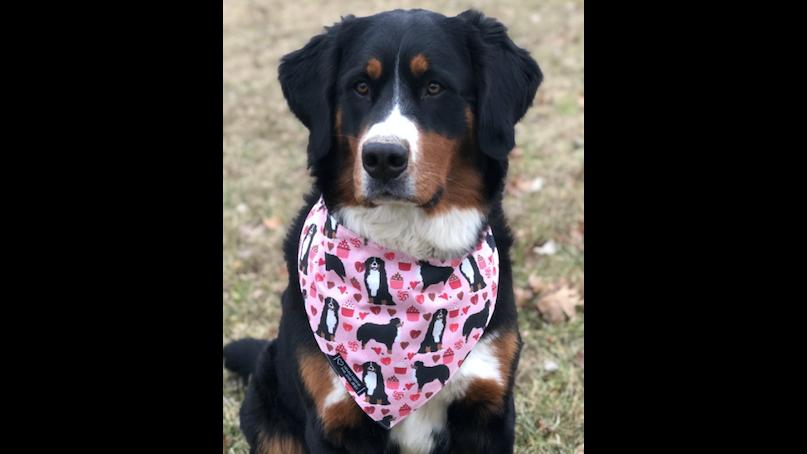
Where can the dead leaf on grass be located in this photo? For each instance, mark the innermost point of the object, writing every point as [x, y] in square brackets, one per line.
[548, 248]
[536, 283]
[523, 296]
[272, 223]
[560, 305]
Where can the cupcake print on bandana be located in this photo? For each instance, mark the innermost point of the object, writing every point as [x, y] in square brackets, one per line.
[395, 329]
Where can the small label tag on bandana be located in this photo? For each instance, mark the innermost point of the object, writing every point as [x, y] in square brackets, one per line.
[341, 368]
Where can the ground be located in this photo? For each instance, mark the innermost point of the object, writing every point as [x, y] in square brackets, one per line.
[265, 179]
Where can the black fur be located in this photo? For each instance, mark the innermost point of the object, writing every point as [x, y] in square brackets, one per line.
[383, 334]
[379, 395]
[477, 320]
[425, 374]
[334, 263]
[382, 295]
[498, 80]
[478, 282]
[240, 356]
[430, 274]
[428, 344]
[322, 329]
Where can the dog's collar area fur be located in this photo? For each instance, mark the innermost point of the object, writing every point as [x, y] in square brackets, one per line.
[394, 328]
[409, 230]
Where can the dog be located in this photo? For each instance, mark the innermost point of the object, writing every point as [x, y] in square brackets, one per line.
[430, 274]
[434, 335]
[470, 271]
[312, 229]
[332, 263]
[374, 381]
[425, 374]
[411, 118]
[478, 320]
[329, 320]
[330, 227]
[383, 334]
[375, 280]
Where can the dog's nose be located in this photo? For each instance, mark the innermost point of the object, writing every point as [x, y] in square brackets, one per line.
[384, 161]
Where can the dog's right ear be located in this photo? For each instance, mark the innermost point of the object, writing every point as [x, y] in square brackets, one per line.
[307, 77]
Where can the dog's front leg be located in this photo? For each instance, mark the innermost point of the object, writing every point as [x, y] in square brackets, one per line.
[315, 440]
[482, 426]
[361, 439]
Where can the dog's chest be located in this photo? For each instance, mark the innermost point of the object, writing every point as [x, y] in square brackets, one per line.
[438, 329]
[373, 281]
[371, 381]
[331, 321]
[416, 434]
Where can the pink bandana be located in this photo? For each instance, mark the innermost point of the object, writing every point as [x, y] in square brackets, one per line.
[394, 329]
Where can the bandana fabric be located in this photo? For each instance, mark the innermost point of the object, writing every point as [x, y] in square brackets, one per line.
[394, 329]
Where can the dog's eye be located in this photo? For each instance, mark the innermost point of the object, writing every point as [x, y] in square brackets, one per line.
[362, 88]
[434, 88]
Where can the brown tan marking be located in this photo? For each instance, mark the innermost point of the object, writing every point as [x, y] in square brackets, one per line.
[506, 347]
[418, 65]
[373, 68]
[488, 393]
[316, 375]
[279, 444]
[446, 163]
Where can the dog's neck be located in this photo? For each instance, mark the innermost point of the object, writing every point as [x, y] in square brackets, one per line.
[408, 229]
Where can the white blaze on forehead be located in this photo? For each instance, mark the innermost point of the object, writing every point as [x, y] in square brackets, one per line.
[394, 128]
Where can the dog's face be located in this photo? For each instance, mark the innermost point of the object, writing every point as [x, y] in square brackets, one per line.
[370, 367]
[373, 264]
[396, 322]
[410, 107]
[440, 314]
[332, 304]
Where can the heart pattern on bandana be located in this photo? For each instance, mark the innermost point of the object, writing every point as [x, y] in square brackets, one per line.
[405, 354]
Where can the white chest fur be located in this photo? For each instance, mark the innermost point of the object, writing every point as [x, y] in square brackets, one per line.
[438, 329]
[373, 282]
[331, 321]
[415, 434]
[370, 381]
[467, 270]
[408, 229]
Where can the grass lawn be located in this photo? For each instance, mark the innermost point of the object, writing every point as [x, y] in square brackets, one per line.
[265, 179]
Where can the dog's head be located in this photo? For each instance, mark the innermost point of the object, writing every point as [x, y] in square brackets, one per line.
[332, 304]
[373, 263]
[410, 107]
[440, 314]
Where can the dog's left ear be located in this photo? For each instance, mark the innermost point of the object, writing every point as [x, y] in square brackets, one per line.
[507, 79]
[307, 77]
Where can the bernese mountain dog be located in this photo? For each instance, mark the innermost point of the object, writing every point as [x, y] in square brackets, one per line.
[411, 118]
